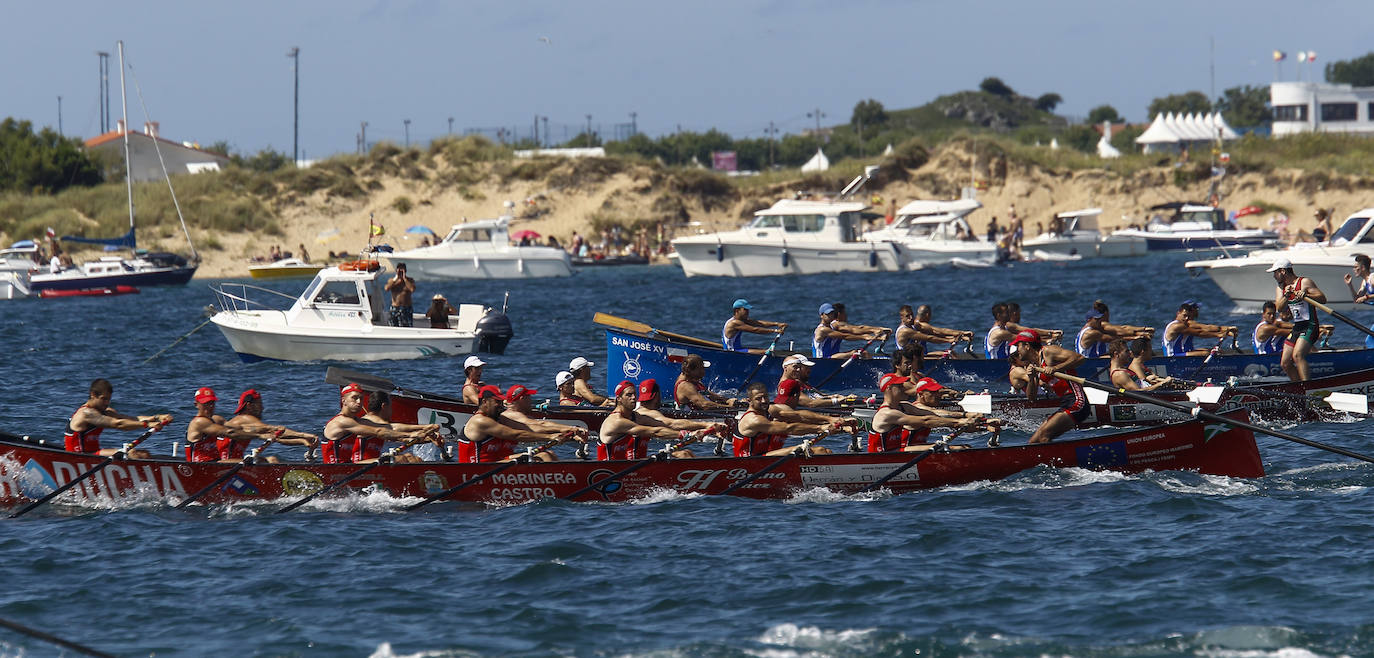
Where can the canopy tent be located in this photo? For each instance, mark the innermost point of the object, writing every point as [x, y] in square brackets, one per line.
[818, 162]
[1172, 131]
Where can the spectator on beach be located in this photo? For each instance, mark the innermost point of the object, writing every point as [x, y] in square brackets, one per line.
[992, 230]
[305, 255]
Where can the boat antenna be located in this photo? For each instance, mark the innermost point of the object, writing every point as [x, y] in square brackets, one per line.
[195, 257]
[505, 303]
[128, 170]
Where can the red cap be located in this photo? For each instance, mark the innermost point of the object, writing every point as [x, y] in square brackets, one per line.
[891, 379]
[1026, 336]
[787, 388]
[517, 391]
[624, 384]
[647, 389]
[205, 394]
[245, 398]
[927, 384]
[490, 392]
[352, 387]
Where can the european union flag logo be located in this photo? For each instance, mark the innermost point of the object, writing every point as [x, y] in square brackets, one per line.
[1102, 455]
[243, 487]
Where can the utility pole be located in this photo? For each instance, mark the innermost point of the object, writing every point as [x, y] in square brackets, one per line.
[407, 123]
[546, 130]
[772, 136]
[104, 100]
[59, 117]
[589, 130]
[362, 141]
[536, 130]
[634, 124]
[818, 115]
[450, 125]
[295, 56]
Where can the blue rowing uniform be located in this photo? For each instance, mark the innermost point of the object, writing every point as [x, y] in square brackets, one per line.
[1273, 345]
[1179, 346]
[1098, 349]
[824, 349]
[1001, 350]
[732, 344]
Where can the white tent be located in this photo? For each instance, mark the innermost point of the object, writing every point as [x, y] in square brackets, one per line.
[1171, 131]
[1104, 145]
[818, 162]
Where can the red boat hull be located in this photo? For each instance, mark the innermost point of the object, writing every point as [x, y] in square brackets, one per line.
[29, 470]
[47, 293]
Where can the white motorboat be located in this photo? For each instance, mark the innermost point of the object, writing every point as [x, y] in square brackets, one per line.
[286, 268]
[1194, 226]
[1246, 282]
[342, 316]
[480, 250]
[16, 265]
[935, 233]
[794, 236]
[1078, 234]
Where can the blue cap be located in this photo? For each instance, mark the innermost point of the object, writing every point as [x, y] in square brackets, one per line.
[742, 303]
[1188, 303]
[1093, 314]
[827, 308]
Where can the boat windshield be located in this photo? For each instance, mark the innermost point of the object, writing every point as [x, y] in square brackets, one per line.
[1350, 229]
[337, 292]
[1211, 217]
[791, 223]
[469, 235]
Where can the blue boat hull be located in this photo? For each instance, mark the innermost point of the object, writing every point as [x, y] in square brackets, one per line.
[1202, 244]
[636, 358]
[171, 276]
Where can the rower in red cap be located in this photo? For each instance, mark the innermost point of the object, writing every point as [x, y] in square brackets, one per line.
[96, 415]
[248, 416]
[349, 437]
[207, 431]
[650, 405]
[625, 434]
[1042, 361]
[759, 433]
[489, 436]
[519, 405]
[895, 430]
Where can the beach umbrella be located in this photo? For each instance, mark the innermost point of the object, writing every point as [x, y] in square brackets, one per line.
[326, 235]
[421, 229]
[1249, 210]
[521, 235]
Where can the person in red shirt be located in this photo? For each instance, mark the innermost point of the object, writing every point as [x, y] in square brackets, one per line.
[248, 416]
[489, 436]
[348, 437]
[207, 434]
[96, 415]
[1042, 362]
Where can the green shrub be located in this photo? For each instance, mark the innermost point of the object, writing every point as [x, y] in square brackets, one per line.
[402, 204]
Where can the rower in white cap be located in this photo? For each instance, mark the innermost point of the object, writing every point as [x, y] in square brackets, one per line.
[472, 383]
[581, 370]
[1294, 292]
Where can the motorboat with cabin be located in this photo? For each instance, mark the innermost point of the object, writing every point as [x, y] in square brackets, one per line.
[480, 250]
[1077, 232]
[342, 316]
[931, 232]
[17, 264]
[286, 268]
[1244, 278]
[1180, 225]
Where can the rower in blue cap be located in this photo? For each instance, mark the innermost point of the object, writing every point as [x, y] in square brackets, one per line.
[740, 322]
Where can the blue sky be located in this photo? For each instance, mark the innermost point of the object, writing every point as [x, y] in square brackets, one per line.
[219, 71]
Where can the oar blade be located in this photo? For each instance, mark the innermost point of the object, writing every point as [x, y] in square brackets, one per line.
[1206, 394]
[1096, 395]
[980, 403]
[1348, 402]
[343, 377]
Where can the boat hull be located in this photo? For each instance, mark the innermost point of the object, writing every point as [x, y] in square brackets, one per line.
[1200, 240]
[264, 335]
[737, 259]
[1249, 286]
[29, 470]
[515, 263]
[89, 292]
[75, 280]
[1087, 246]
[268, 272]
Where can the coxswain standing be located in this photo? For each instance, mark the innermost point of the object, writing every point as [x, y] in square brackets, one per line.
[210, 439]
[740, 323]
[472, 378]
[349, 437]
[95, 416]
[489, 436]
[625, 433]
[689, 392]
[1121, 374]
[581, 370]
[1043, 361]
[758, 433]
[248, 416]
[827, 341]
[894, 430]
[1178, 334]
[1294, 292]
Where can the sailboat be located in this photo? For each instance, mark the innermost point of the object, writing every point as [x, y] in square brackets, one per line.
[116, 272]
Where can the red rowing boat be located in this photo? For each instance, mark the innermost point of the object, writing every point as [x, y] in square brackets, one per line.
[29, 470]
[48, 293]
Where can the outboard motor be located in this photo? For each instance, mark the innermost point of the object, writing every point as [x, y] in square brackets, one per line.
[494, 332]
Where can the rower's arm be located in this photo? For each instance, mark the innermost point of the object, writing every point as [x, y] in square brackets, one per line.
[695, 399]
[759, 425]
[788, 414]
[588, 394]
[762, 326]
[117, 421]
[933, 421]
[502, 430]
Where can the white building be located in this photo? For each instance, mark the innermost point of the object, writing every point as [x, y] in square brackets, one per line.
[144, 164]
[1301, 107]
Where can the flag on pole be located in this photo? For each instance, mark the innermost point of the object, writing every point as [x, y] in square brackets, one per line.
[1302, 56]
[1279, 55]
[375, 228]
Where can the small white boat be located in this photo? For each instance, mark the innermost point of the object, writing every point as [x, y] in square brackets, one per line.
[1244, 278]
[972, 263]
[480, 250]
[1195, 227]
[16, 265]
[286, 268]
[1078, 234]
[342, 316]
[934, 233]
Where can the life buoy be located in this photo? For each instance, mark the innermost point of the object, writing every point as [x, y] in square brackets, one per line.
[360, 266]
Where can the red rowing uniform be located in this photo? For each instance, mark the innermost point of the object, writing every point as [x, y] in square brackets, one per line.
[628, 446]
[230, 448]
[488, 449]
[87, 440]
[754, 446]
[571, 400]
[206, 449]
[1074, 401]
[366, 447]
[337, 451]
[895, 439]
[700, 388]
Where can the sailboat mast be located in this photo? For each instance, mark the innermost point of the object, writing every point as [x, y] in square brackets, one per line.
[128, 172]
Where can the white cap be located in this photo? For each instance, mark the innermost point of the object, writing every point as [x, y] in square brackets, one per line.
[1280, 264]
[473, 362]
[562, 378]
[579, 363]
[798, 358]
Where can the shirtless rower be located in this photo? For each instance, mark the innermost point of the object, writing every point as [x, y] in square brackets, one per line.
[927, 395]
[1121, 374]
[379, 411]
[1122, 331]
[472, 378]
[758, 433]
[1178, 335]
[894, 429]
[827, 341]
[740, 322]
[581, 370]
[1294, 292]
[1142, 350]
[209, 439]
[1365, 293]
[1042, 361]
[626, 432]
[651, 402]
[519, 405]
[690, 393]
[489, 436]
[349, 437]
[95, 416]
[248, 416]
[1014, 324]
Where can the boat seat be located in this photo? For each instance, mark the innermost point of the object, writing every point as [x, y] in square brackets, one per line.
[468, 315]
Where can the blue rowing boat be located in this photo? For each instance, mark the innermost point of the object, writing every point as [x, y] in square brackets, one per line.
[639, 356]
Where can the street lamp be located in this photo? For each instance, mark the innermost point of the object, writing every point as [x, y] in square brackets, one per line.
[450, 125]
[407, 122]
[818, 115]
[589, 130]
[295, 56]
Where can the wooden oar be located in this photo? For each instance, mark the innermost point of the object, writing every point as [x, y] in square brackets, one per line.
[661, 455]
[342, 377]
[523, 459]
[1348, 402]
[1340, 316]
[853, 355]
[617, 322]
[248, 460]
[939, 446]
[120, 454]
[796, 452]
[1207, 415]
[53, 639]
[384, 459]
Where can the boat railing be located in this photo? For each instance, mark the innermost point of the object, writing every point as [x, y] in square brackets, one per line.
[235, 297]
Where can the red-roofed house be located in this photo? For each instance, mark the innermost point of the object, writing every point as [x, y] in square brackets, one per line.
[181, 157]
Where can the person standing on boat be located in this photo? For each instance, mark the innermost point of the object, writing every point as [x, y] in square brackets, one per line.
[439, 312]
[402, 288]
[690, 393]
[209, 438]
[625, 433]
[349, 433]
[581, 370]
[827, 340]
[489, 436]
[1042, 362]
[248, 416]
[895, 430]
[1121, 374]
[1178, 334]
[472, 384]
[650, 405]
[740, 322]
[1293, 292]
[96, 415]
[760, 433]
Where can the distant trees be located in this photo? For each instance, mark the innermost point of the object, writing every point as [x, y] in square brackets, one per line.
[1245, 106]
[1047, 102]
[1192, 102]
[42, 162]
[867, 114]
[1358, 72]
[996, 87]
[1103, 113]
